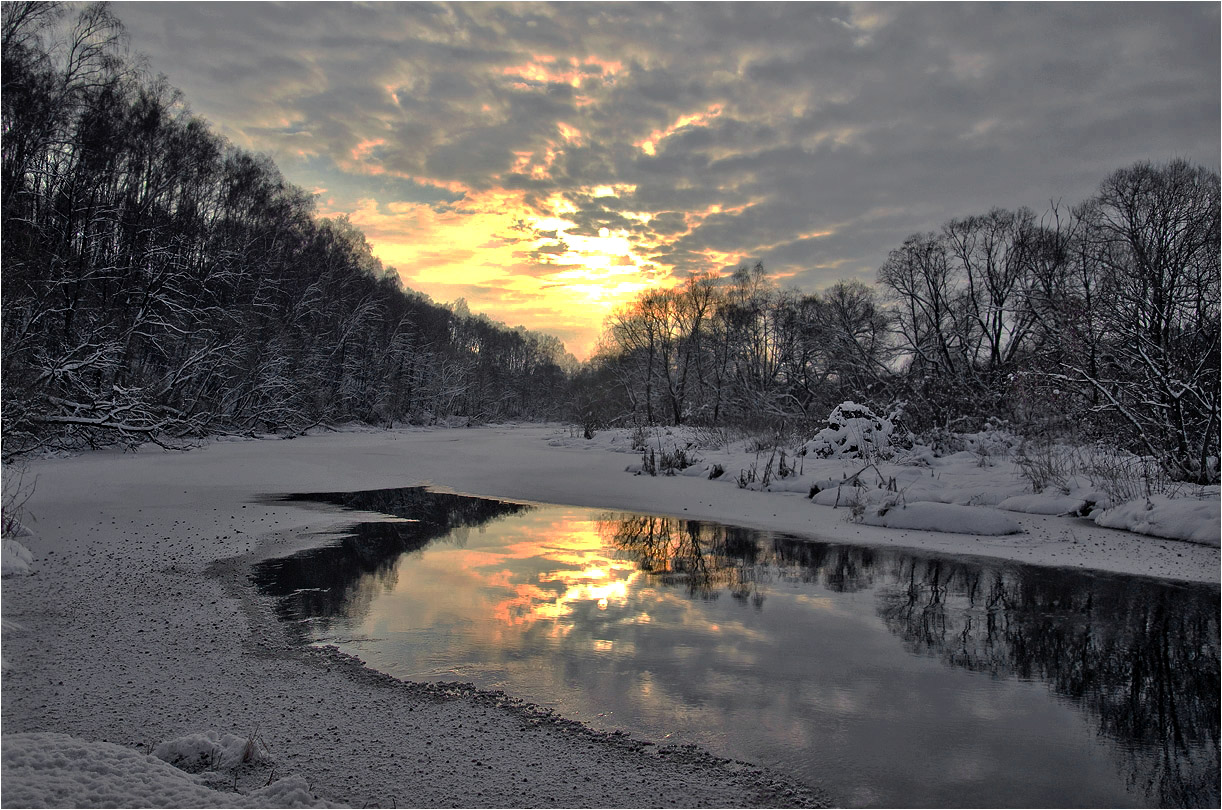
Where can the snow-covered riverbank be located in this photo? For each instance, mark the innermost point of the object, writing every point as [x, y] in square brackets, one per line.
[137, 628]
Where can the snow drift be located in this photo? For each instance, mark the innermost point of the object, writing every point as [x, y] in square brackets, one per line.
[56, 770]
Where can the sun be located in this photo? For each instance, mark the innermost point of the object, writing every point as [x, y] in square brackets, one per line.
[521, 264]
[598, 272]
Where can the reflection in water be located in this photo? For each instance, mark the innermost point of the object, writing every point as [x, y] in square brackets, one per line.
[704, 558]
[1126, 649]
[618, 619]
[343, 579]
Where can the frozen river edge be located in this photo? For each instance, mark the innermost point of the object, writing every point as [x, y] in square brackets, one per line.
[137, 626]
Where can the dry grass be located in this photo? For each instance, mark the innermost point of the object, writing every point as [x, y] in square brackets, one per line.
[1121, 475]
[15, 491]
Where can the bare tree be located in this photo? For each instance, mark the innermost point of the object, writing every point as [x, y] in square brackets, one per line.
[920, 278]
[856, 332]
[993, 257]
[1153, 232]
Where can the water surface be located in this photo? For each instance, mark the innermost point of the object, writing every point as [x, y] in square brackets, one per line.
[886, 677]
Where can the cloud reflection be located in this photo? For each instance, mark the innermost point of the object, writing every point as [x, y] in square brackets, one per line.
[902, 675]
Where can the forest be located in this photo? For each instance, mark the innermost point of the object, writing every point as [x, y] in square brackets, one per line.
[1093, 323]
[161, 284]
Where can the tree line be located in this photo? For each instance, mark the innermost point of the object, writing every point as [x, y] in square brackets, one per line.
[1102, 318]
[740, 350]
[160, 283]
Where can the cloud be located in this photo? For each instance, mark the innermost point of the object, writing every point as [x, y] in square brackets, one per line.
[471, 141]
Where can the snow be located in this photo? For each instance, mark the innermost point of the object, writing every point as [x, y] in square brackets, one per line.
[210, 750]
[139, 631]
[56, 770]
[15, 559]
[943, 517]
[1042, 504]
[985, 475]
[1194, 520]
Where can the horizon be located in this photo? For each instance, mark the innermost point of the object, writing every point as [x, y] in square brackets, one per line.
[547, 163]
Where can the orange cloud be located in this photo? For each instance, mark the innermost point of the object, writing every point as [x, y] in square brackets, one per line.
[649, 145]
[361, 150]
[361, 158]
[570, 134]
[548, 69]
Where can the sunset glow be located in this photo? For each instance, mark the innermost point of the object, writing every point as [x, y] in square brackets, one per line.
[577, 572]
[498, 253]
[547, 163]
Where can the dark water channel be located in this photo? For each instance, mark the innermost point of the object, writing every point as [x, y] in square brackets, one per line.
[886, 677]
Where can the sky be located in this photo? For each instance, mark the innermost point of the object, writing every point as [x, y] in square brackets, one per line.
[548, 162]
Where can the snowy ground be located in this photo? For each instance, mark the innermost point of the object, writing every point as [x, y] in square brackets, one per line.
[135, 634]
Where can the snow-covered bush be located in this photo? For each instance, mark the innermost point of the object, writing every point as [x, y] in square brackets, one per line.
[676, 460]
[15, 558]
[663, 455]
[855, 431]
[942, 441]
[1121, 475]
[992, 440]
[640, 437]
[709, 437]
[996, 439]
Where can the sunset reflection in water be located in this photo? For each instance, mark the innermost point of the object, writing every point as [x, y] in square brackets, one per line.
[576, 571]
[541, 576]
[888, 677]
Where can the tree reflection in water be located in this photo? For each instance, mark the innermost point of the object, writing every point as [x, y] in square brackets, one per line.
[343, 578]
[1140, 655]
[704, 558]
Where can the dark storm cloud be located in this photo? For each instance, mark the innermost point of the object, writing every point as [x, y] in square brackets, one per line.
[825, 132]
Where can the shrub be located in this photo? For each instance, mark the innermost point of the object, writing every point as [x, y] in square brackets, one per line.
[678, 459]
[649, 462]
[1124, 476]
[640, 437]
[941, 441]
[707, 437]
[16, 491]
[1045, 464]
